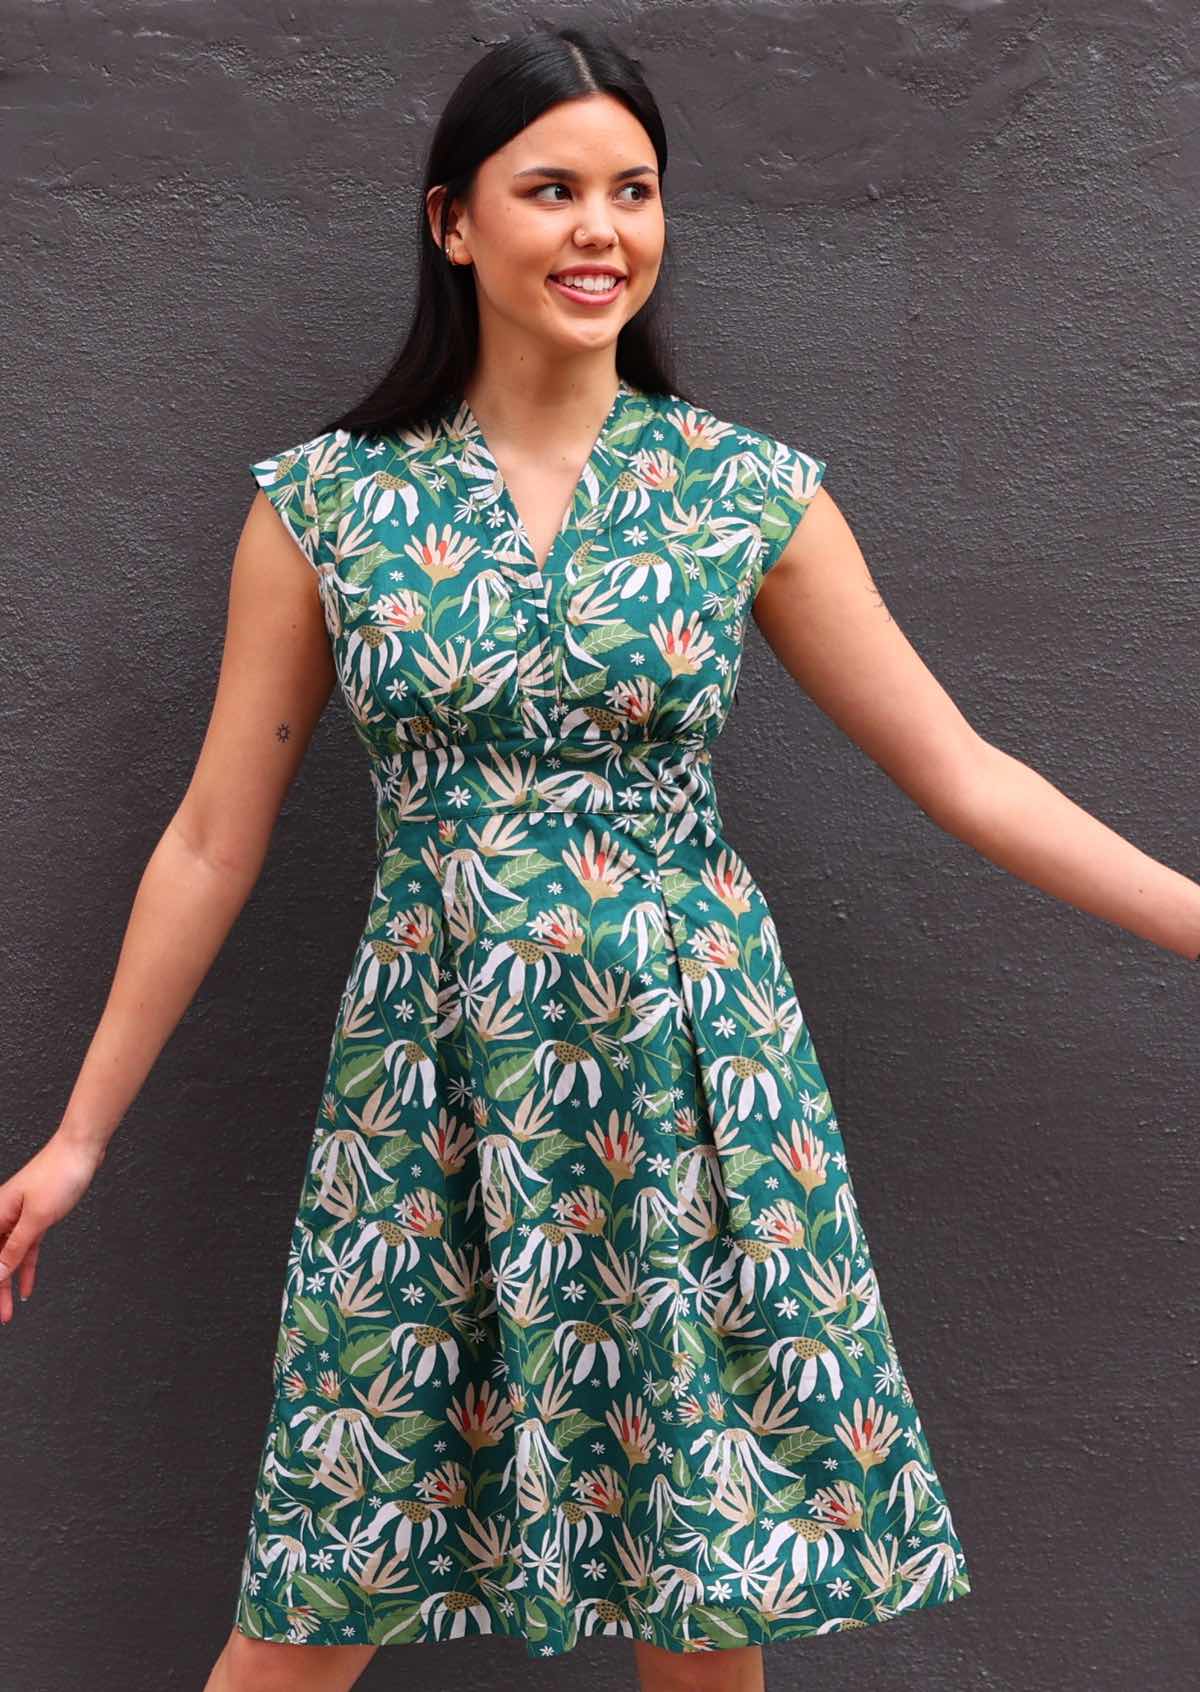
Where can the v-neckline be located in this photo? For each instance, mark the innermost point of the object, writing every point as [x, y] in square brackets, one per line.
[473, 432]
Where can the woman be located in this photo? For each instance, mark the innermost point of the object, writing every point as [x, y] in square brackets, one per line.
[580, 1332]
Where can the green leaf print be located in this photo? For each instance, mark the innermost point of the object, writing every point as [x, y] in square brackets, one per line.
[539, 1359]
[740, 1217]
[606, 637]
[367, 1355]
[311, 1316]
[545, 1152]
[395, 1149]
[398, 1479]
[595, 681]
[572, 1426]
[790, 1499]
[358, 571]
[507, 1079]
[393, 865]
[408, 1428]
[690, 1340]
[676, 884]
[509, 918]
[796, 1448]
[360, 1072]
[395, 1627]
[515, 872]
[541, 1197]
[724, 1627]
[742, 1165]
[326, 1598]
[746, 1374]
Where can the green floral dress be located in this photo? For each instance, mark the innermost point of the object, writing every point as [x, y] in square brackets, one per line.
[580, 1329]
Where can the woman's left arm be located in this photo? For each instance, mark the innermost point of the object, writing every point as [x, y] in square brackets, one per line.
[821, 611]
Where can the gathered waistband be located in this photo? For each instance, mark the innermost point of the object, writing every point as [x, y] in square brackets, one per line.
[437, 784]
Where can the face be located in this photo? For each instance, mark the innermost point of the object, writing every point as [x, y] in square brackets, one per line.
[577, 188]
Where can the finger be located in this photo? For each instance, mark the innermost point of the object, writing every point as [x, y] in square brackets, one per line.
[12, 1255]
[28, 1270]
[10, 1214]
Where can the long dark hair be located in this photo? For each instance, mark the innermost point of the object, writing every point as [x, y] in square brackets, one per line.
[498, 97]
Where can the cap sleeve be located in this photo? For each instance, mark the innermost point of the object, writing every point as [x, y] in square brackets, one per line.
[287, 479]
[792, 479]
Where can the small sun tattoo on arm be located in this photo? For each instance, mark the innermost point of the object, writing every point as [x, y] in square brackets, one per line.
[283, 732]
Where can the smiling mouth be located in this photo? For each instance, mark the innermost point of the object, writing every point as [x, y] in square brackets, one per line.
[593, 291]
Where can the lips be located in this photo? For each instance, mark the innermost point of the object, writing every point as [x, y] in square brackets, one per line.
[594, 297]
[570, 276]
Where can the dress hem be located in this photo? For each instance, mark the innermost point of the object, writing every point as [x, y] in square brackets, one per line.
[728, 1626]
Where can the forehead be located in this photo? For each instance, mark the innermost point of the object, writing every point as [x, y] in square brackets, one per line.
[595, 134]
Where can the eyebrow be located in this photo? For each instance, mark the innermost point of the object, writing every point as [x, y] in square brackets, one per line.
[573, 175]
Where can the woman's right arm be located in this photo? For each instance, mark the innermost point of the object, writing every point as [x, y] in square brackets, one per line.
[275, 679]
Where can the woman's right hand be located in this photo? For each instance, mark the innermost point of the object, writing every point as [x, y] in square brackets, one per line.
[39, 1194]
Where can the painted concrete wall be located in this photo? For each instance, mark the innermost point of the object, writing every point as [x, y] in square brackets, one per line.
[952, 249]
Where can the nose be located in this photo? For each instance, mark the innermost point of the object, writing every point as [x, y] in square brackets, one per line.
[597, 224]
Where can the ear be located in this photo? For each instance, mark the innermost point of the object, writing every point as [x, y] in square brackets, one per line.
[433, 207]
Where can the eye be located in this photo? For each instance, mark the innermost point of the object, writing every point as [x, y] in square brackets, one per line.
[644, 191]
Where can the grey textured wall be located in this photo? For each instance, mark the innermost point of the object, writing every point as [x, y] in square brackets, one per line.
[950, 247]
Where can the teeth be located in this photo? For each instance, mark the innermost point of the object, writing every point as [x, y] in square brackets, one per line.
[590, 284]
